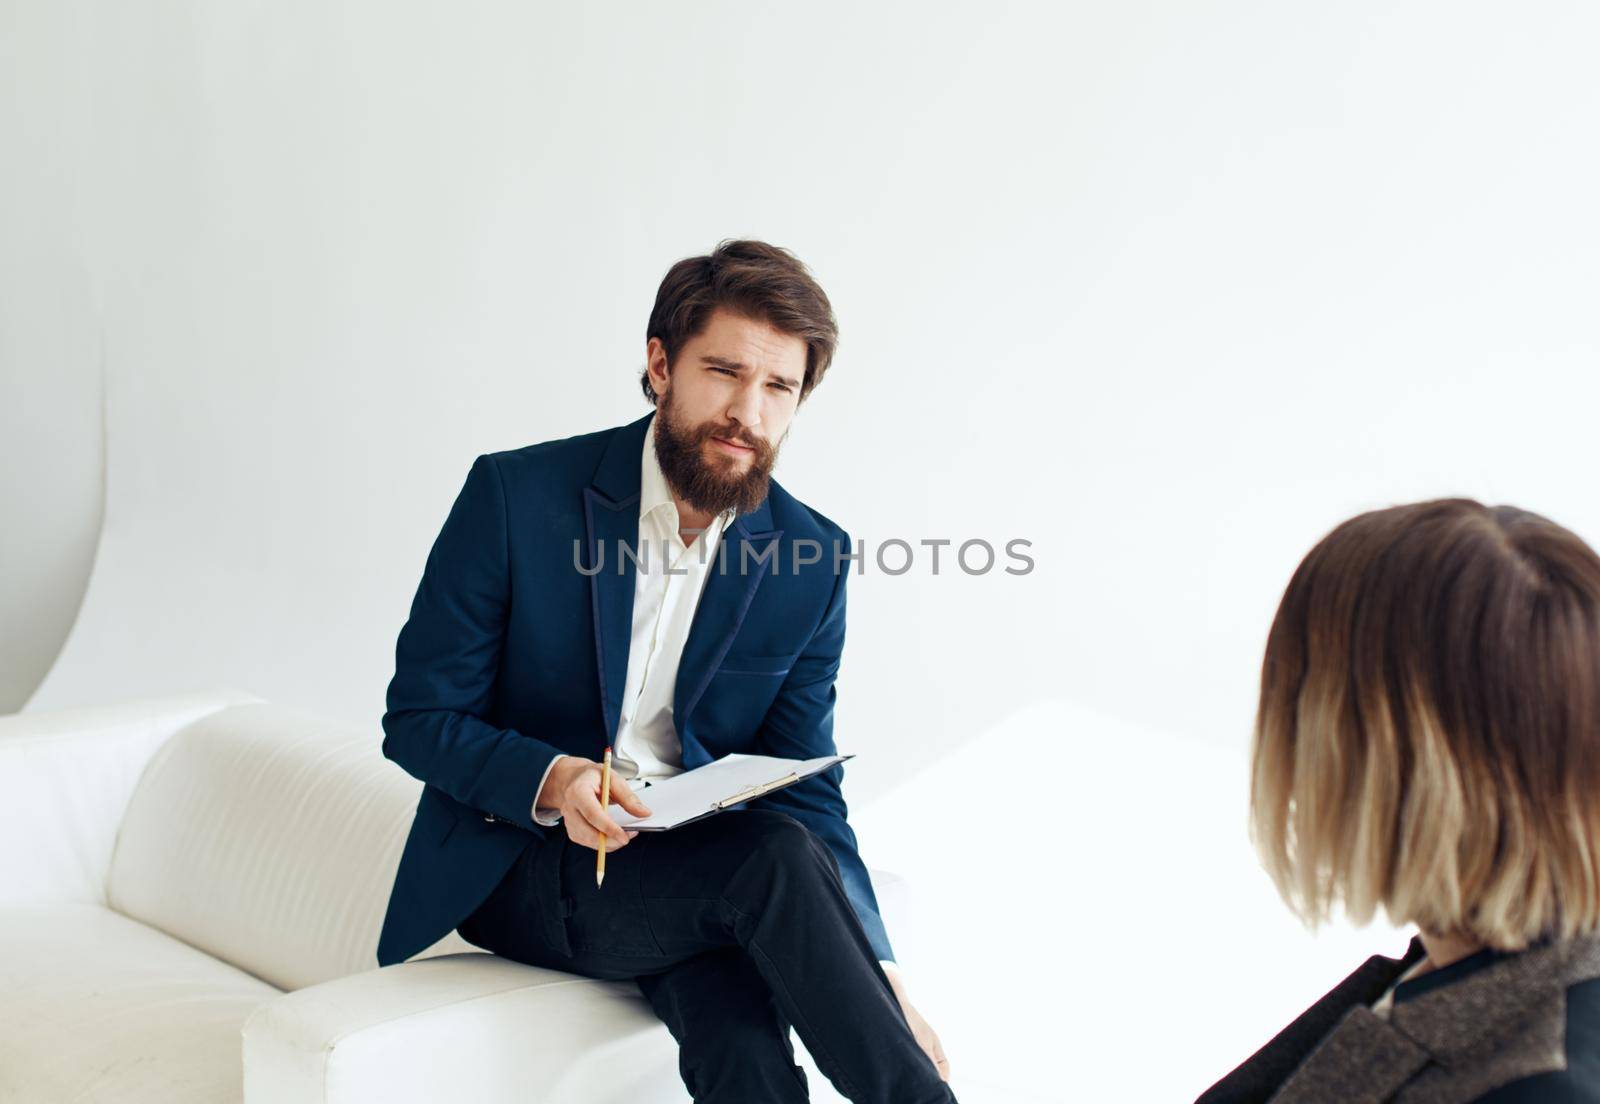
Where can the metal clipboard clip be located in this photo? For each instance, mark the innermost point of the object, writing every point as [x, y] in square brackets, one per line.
[756, 791]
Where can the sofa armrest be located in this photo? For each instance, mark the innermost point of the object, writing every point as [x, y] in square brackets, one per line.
[468, 1026]
[65, 779]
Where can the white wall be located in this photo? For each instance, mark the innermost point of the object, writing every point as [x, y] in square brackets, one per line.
[50, 372]
[1167, 289]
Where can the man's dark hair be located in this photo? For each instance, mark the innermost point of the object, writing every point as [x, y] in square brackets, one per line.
[756, 280]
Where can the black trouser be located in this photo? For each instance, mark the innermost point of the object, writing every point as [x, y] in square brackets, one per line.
[735, 927]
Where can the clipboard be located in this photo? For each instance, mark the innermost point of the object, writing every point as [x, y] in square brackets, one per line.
[708, 790]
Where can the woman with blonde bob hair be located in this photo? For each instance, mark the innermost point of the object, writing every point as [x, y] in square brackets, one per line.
[1428, 742]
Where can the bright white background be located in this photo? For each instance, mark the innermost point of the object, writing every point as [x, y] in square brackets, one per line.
[1167, 289]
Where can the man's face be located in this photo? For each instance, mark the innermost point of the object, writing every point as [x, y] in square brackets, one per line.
[724, 409]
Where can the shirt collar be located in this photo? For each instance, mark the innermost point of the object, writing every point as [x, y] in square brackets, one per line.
[653, 490]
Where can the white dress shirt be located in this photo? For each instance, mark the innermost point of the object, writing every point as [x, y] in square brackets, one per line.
[668, 581]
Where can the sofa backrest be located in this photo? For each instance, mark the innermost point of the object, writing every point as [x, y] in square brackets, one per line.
[269, 838]
[66, 777]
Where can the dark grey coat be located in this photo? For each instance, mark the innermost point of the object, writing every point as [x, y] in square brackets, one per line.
[1493, 1028]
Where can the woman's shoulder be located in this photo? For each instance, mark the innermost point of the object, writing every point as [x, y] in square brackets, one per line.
[1495, 1028]
[1259, 1075]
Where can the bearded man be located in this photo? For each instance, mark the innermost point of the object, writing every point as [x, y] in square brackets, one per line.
[651, 588]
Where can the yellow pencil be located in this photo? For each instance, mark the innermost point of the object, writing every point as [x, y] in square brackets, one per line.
[605, 800]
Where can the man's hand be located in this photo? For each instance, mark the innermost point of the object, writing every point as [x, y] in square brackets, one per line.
[573, 787]
[926, 1038]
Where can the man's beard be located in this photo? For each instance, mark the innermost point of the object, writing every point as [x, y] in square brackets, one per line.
[716, 484]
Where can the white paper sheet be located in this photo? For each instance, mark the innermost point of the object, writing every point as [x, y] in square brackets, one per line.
[693, 793]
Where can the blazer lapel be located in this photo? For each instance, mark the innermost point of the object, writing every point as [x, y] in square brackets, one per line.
[747, 549]
[611, 519]
[1363, 1061]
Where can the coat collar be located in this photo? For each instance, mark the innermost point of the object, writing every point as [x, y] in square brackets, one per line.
[1471, 1005]
[1364, 1057]
[611, 517]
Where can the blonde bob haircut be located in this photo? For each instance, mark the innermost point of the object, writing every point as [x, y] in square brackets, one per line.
[1428, 734]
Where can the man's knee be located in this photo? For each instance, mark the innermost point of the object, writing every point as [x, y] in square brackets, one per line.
[780, 837]
[777, 857]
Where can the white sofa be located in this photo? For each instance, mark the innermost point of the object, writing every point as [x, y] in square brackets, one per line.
[190, 894]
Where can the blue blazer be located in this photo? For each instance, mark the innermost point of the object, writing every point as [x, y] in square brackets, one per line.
[512, 655]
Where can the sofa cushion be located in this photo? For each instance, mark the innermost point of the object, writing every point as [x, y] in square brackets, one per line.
[269, 838]
[99, 1007]
[469, 1027]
